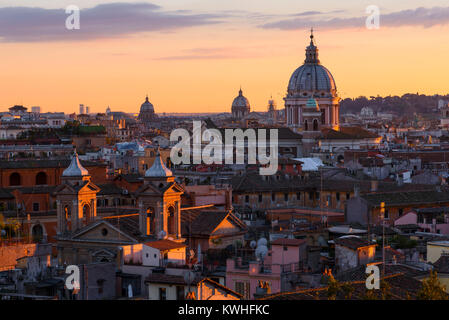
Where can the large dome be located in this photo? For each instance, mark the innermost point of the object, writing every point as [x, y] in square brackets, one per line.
[240, 101]
[311, 77]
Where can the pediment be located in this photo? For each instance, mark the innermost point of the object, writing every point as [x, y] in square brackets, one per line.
[228, 226]
[102, 231]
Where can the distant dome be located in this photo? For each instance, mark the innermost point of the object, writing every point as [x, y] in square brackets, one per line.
[311, 76]
[75, 169]
[158, 169]
[240, 106]
[146, 106]
[240, 101]
[147, 111]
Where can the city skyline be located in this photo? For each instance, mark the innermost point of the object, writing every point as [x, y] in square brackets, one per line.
[197, 59]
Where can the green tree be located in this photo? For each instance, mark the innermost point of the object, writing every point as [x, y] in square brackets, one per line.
[333, 288]
[385, 290]
[347, 290]
[432, 289]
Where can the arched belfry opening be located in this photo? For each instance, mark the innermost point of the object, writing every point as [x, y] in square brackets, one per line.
[151, 221]
[171, 221]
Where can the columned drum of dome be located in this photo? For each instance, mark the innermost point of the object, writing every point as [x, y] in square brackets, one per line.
[312, 80]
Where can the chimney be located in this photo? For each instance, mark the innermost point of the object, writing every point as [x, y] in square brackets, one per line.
[356, 191]
[374, 185]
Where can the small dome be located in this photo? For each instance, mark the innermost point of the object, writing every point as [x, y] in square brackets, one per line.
[75, 169]
[158, 169]
[240, 101]
[312, 104]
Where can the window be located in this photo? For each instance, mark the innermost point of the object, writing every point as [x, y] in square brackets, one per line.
[35, 206]
[100, 283]
[310, 195]
[273, 196]
[260, 197]
[315, 125]
[171, 220]
[41, 178]
[15, 179]
[179, 293]
[401, 211]
[243, 289]
[37, 233]
[247, 198]
[348, 195]
[286, 197]
[337, 196]
[162, 294]
[298, 196]
[386, 214]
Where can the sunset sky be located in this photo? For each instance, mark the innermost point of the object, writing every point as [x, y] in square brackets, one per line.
[193, 55]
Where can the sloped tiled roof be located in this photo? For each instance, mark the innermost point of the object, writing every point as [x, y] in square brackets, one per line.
[442, 264]
[288, 242]
[407, 198]
[165, 244]
[401, 287]
[347, 133]
[352, 242]
[204, 222]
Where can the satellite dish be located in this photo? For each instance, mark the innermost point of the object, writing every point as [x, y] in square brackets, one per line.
[261, 252]
[262, 242]
[162, 234]
[253, 244]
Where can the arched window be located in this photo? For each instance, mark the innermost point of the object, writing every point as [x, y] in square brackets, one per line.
[151, 225]
[37, 233]
[315, 125]
[171, 220]
[86, 214]
[41, 178]
[15, 179]
[66, 218]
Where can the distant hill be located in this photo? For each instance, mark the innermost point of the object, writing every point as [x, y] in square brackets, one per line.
[406, 104]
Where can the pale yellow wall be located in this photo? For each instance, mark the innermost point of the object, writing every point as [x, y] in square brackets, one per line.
[434, 252]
